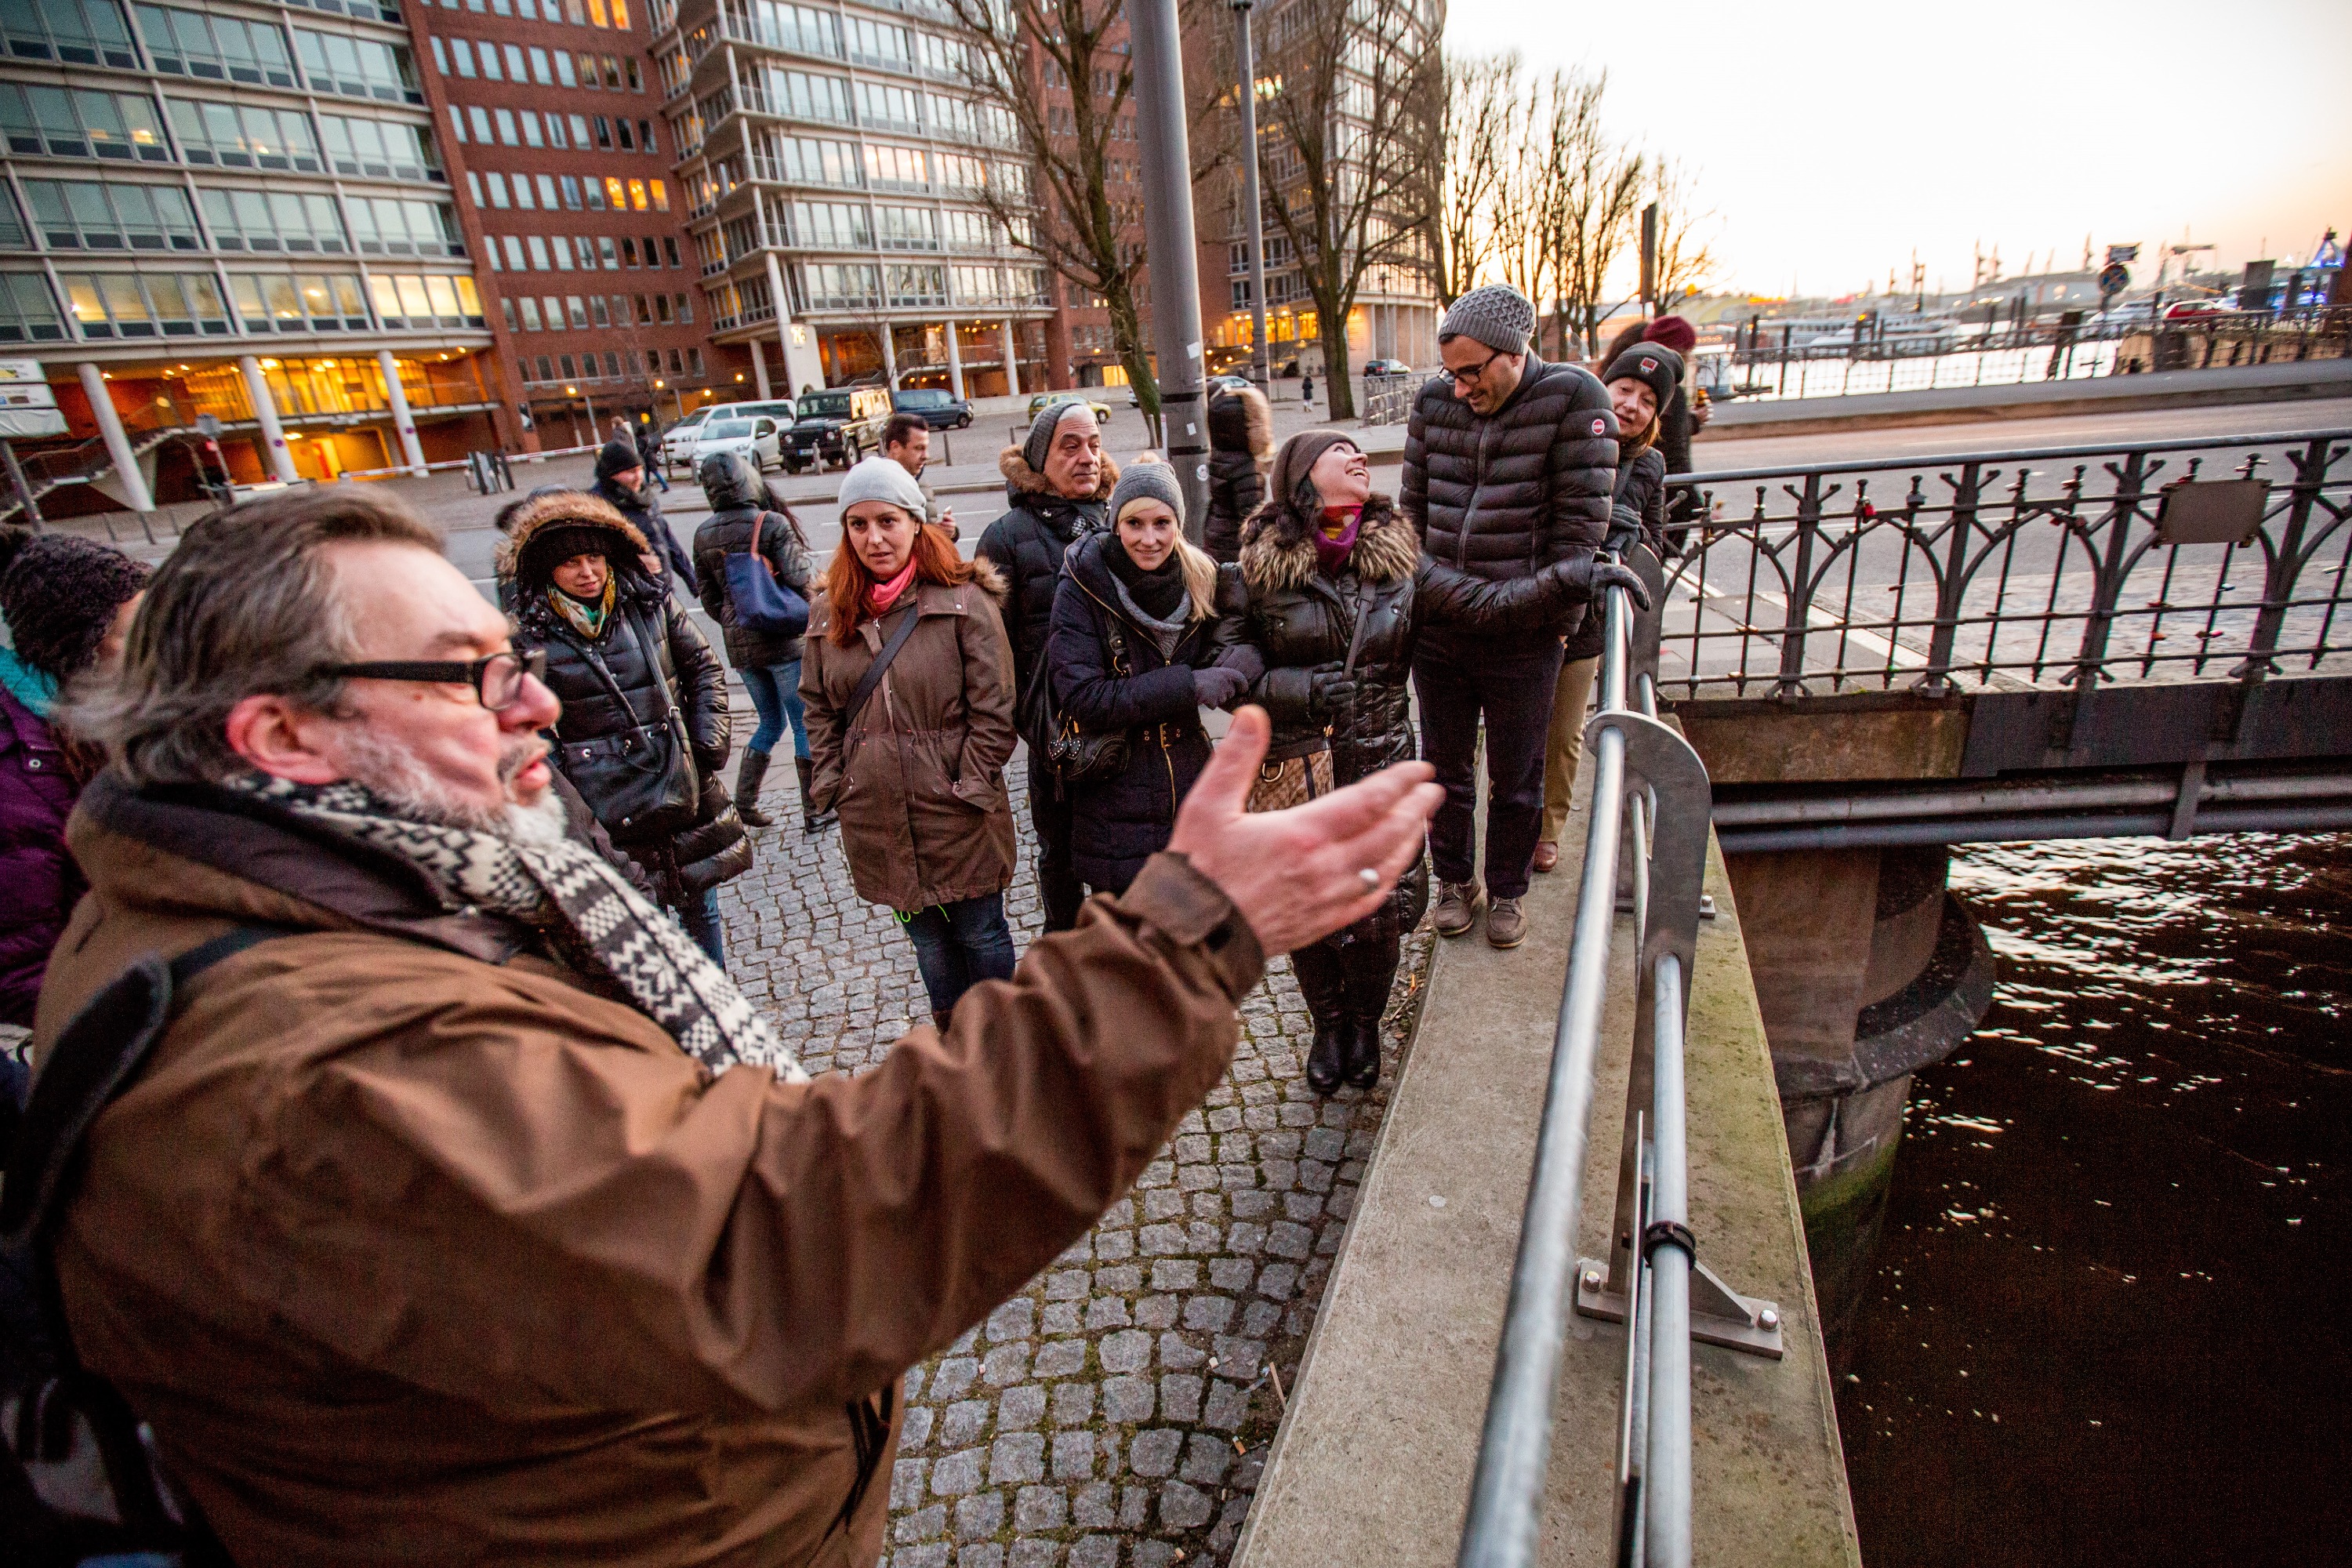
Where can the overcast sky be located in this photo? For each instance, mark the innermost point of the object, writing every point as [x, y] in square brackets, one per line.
[1833, 137]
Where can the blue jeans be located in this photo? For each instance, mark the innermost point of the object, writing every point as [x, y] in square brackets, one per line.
[958, 945]
[700, 918]
[776, 694]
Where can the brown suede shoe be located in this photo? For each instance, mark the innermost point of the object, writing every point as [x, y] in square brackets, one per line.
[1458, 906]
[1505, 926]
[1547, 854]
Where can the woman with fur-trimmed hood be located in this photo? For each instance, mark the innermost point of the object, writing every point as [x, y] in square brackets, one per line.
[644, 732]
[1338, 594]
[1240, 444]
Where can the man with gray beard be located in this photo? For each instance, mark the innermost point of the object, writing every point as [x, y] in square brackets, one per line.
[474, 1216]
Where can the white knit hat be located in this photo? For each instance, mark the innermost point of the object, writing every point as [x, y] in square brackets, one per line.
[882, 479]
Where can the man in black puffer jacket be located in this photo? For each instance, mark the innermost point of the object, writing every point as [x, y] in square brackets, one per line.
[1057, 484]
[620, 485]
[1509, 463]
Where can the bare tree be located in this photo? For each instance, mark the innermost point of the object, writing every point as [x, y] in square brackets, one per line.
[1070, 211]
[1483, 109]
[1356, 121]
[1595, 199]
[1686, 259]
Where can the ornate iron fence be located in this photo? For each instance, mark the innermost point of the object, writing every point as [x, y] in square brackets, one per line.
[2204, 559]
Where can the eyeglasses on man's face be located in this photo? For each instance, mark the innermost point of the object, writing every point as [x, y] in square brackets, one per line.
[1464, 377]
[497, 679]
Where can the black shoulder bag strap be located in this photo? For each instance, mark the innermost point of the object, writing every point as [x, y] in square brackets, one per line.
[872, 679]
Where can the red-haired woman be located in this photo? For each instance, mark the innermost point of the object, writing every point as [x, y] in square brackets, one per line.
[916, 768]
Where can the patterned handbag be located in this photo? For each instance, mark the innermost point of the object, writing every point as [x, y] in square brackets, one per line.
[1293, 780]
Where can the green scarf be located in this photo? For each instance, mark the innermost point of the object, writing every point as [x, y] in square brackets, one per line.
[586, 619]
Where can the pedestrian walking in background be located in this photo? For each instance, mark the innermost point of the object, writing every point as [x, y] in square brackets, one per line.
[1509, 463]
[473, 1210]
[620, 431]
[1057, 484]
[1338, 597]
[743, 521]
[1132, 660]
[644, 734]
[908, 682]
[1240, 444]
[649, 453]
[906, 441]
[68, 604]
[1307, 389]
[1639, 382]
[620, 485]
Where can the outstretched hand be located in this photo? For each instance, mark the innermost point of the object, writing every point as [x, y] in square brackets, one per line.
[1298, 875]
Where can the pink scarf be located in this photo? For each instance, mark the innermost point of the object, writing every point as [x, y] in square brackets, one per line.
[882, 596]
[1335, 541]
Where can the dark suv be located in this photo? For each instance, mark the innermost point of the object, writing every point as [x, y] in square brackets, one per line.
[840, 425]
[941, 409]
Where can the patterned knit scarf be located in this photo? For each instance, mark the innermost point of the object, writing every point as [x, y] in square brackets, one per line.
[587, 619]
[587, 909]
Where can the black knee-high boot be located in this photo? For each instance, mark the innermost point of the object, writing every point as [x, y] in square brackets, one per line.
[1369, 963]
[1325, 986]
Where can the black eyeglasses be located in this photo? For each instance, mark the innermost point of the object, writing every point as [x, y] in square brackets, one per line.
[497, 679]
[1458, 376]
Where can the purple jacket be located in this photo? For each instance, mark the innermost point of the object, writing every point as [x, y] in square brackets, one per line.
[36, 793]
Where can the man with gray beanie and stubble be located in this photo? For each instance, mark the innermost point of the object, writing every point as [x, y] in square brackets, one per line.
[1057, 484]
[1509, 467]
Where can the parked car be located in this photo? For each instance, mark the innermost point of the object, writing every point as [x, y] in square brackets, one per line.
[758, 437]
[1387, 367]
[840, 425]
[2188, 309]
[1037, 404]
[1227, 384]
[941, 408]
[677, 441]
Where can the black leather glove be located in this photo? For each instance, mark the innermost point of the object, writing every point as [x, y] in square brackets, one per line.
[1586, 578]
[1218, 687]
[1329, 693]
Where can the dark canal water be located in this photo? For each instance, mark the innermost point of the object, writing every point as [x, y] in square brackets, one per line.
[2112, 1316]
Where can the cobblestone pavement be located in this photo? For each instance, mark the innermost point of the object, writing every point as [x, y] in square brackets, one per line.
[1118, 1410]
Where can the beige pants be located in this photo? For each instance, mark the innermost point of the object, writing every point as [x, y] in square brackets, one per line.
[1566, 745]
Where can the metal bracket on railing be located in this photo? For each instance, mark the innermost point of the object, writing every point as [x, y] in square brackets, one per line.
[1719, 1314]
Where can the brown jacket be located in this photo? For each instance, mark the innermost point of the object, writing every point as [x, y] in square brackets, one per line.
[413, 1250]
[919, 785]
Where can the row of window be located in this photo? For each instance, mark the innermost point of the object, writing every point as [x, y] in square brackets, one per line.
[530, 253]
[853, 225]
[575, 193]
[814, 95]
[847, 286]
[556, 368]
[579, 13]
[109, 306]
[231, 48]
[506, 62]
[810, 30]
[83, 124]
[550, 312]
[89, 214]
[529, 128]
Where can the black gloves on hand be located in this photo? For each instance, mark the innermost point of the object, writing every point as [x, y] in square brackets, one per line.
[1218, 686]
[1329, 693]
[1591, 577]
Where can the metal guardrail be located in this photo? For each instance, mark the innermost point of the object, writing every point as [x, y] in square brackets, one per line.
[1387, 399]
[2066, 566]
[1649, 816]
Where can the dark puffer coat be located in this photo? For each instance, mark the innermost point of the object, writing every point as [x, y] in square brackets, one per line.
[1506, 494]
[1240, 444]
[642, 511]
[1638, 515]
[739, 503]
[646, 643]
[1026, 545]
[1117, 824]
[36, 793]
[1303, 621]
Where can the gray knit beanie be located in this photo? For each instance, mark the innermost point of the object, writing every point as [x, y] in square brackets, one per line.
[883, 479]
[1040, 439]
[1147, 478]
[1498, 315]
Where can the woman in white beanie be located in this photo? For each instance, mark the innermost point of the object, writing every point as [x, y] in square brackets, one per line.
[911, 753]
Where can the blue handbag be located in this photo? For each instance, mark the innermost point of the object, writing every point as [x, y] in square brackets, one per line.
[762, 604]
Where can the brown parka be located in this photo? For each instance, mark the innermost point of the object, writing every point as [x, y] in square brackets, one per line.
[414, 1249]
[920, 782]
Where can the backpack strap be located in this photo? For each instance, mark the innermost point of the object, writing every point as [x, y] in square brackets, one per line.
[881, 664]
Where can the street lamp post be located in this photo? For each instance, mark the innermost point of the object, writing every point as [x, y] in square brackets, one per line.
[1175, 263]
[594, 439]
[1261, 354]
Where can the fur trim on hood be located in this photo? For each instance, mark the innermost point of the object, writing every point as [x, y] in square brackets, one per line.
[575, 509]
[1241, 420]
[1279, 549]
[990, 581]
[1020, 475]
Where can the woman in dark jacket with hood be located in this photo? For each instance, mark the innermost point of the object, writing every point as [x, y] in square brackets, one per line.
[1133, 651]
[644, 731]
[742, 520]
[1338, 594]
[1642, 381]
[1240, 444]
